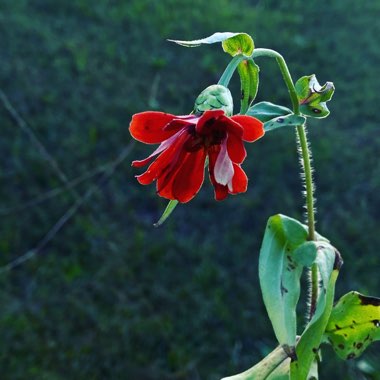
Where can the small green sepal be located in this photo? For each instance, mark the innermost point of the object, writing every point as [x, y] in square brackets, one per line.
[312, 96]
[168, 210]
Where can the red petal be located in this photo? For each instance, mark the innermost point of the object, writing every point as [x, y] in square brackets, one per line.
[253, 128]
[232, 126]
[165, 161]
[220, 191]
[165, 180]
[239, 181]
[208, 115]
[189, 178]
[140, 163]
[235, 148]
[148, 127]
[181, 122]
[163, 146]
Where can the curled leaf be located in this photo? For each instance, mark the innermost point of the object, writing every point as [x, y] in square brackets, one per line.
[312, 96]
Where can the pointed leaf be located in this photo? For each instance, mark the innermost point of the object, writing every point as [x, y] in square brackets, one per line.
[266, 111]
[280, 274]
[249, 80]
[354, 324]
[168, 210]
[233, 43]
[329, 262]
[284, 121]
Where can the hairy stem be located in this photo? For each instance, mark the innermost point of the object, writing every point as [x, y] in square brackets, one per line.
[305, 157]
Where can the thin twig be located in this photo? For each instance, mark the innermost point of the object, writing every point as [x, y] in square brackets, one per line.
[23, 125]
[68, 214]
[55, 192]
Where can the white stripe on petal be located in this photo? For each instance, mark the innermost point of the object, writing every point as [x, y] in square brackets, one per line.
[166, 143]
[224, 170]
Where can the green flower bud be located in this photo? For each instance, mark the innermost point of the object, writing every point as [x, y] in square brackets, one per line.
[215, 97]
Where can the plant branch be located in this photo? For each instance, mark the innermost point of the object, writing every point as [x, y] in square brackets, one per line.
[305, 158]
[230, 69]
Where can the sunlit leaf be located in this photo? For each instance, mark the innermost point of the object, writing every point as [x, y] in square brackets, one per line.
[354, 324]
[241, 43]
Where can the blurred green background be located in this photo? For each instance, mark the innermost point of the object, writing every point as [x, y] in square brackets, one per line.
[111, 297]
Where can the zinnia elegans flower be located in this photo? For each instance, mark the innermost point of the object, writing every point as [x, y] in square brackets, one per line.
[186, 142]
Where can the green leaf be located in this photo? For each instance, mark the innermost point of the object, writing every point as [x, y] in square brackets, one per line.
[329, 262]
[266, 111]
[274, 116]
[284, 121]
[241, 43]
[233, 43]
[249, 80]
[312, 96]
[354, 324]
[280, 274]
[168, 210]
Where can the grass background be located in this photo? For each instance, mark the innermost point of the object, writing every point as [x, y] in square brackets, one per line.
[110, 297]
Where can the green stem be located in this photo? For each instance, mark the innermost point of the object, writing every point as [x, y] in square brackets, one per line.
[230, 69]
[308, 171]
[306, 163]
[285, 74]
[301, 131]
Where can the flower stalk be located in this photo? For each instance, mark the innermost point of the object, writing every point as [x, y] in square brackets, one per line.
[305, 158]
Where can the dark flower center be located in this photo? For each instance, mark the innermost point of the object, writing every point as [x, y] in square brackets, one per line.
[213, 133]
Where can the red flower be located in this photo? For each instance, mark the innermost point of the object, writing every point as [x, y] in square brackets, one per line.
[185, 142]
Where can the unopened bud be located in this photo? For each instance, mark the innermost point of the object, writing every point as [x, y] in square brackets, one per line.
[215, 97]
